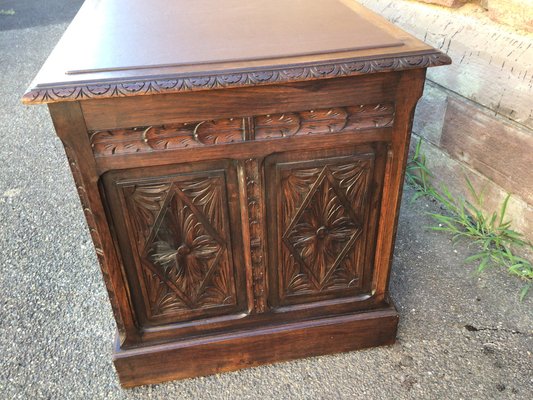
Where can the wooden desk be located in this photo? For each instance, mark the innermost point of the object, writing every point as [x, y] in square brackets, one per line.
[240, 166]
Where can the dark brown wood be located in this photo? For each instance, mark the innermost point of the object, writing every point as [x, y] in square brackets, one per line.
[318, 222]
[244, 349]
[409, 91]
[243, 208]
[186, 135]
[236, 103]
[179, 230]
[70, 127]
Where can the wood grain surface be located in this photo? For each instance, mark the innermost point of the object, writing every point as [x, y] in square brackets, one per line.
[134, 49]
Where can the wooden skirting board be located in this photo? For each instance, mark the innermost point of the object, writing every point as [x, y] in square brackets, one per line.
[249, 348]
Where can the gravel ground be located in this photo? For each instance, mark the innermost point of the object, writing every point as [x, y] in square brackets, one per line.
[461, 336]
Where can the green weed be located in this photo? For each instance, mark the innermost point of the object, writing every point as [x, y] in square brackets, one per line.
[418, 174]
[491, 233]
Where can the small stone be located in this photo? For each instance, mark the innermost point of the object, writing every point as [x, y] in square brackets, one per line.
[11, 193]
[406, 361]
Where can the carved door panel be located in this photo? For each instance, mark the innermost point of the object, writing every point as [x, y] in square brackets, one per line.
[322, 213]
[178, 230]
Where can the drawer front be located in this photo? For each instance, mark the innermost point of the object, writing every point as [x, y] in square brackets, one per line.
[322, 215]
[178, 228]
[202, 135]
[168, 109]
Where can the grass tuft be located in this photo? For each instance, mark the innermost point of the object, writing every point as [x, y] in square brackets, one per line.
[491, 233]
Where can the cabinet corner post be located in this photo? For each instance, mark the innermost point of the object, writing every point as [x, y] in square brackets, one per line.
[71, 129]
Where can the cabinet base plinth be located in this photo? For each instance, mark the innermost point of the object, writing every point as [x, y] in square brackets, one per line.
[252, 347]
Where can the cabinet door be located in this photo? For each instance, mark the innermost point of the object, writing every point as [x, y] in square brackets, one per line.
[322, 213]
[178, 230]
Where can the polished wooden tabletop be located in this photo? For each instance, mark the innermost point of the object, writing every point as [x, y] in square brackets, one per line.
[112, 41]
[136, 34]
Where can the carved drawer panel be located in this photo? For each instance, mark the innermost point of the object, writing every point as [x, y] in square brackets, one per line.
[167, 137]
[176, 233]
[320, 208]
[329, 120]
[148, 139]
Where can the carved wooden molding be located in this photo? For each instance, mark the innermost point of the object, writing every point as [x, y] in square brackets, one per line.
[332, 120]
[84, 91]
[233, 130]
[93, 229]
[167, 137]
[257, 247]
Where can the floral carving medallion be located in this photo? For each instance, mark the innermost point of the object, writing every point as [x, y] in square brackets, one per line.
[321, 219]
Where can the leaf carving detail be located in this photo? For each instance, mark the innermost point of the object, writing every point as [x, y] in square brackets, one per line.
[147, 139]
[324, 121]
[185, 253]
[233, 130]
[146, 202]
[322, 224]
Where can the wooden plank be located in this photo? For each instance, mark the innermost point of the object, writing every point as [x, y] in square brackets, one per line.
[243, 150]
[501, 151]
[451, 173]
[492, 64]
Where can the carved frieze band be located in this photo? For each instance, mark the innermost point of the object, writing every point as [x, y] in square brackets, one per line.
[167, 137]
[333, 120]
[95, 235]
[234, 79]
[255, 216]
[232, 130]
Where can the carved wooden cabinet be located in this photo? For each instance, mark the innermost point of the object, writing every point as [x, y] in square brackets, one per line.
[241, 183]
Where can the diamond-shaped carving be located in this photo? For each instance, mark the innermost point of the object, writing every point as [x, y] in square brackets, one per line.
[182, 249]
[322, 216]
[323, 230]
